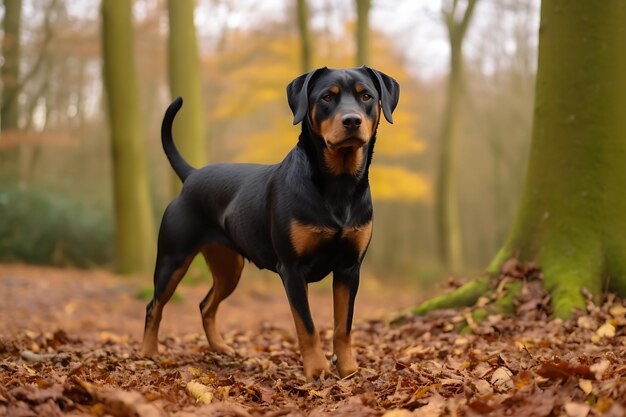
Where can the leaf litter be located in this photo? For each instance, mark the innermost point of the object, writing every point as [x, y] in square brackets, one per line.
[443, 364]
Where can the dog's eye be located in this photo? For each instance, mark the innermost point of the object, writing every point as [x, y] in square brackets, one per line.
[366, 97]
[327, 98]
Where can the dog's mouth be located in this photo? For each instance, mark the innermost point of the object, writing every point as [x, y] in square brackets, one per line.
[349, 142]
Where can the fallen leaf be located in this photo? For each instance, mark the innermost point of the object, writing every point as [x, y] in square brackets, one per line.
[573, 409]
[561, 369]
[119, 403]
[606, 330]
[200, 392]
[587, 322]
[482, 387]
[585, 385]
[501, 380]
[600, 368]
[398, 412]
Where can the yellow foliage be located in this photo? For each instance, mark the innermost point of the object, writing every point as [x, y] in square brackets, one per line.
[250, 101]
[397, 183]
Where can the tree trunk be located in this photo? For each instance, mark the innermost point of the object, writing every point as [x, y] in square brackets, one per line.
[305, 36]
[11, 66]
[362, 32]
[184, 77]
[447, 206]
[134, 226]
[572, 216]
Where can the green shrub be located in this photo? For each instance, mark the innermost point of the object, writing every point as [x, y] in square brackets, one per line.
[40, 228]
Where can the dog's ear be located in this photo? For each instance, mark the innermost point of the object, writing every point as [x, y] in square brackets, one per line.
[389, 91]
[298, 94]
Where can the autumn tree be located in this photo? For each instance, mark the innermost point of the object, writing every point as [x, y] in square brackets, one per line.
[572, 217]
[362, 32]
[302, 10]
[134, 226]
[447, 208]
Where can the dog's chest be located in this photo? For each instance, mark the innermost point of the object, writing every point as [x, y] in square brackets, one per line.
[306, 239]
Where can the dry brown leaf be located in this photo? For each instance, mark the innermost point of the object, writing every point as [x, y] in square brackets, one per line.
[573, 409]
[482, 387]
[119, 403]
[600, 368]
[501, 380]
[398, 412]
[561, 369]
[587, 322]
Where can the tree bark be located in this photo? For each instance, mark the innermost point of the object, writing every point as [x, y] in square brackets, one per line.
[305, 36]
[11, 52]
[362, 32]
[447, 207]
[184, 77]
[134, 226]
[572, 216]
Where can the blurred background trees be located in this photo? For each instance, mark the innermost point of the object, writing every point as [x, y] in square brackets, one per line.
[135, 241]
[456, 19]
[57, 167]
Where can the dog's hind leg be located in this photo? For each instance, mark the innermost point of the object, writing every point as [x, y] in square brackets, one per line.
[226, 266]
[167, 275]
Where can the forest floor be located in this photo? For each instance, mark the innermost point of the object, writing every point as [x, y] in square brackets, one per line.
[69, 343]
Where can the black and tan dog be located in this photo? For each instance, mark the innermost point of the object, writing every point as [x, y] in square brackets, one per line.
[303, 218]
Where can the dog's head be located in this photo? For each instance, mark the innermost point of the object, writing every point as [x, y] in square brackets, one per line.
[343, 106]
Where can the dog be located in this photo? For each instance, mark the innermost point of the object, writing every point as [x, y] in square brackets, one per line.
[305, 217]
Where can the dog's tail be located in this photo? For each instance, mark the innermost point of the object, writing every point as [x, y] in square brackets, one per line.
[181, 167]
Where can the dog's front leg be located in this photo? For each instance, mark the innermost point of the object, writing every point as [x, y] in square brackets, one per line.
[345, 286]
[309, 339]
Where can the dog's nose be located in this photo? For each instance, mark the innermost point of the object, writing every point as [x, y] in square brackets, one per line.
[351, 121]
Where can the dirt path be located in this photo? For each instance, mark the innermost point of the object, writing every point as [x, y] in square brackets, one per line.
[89, 303]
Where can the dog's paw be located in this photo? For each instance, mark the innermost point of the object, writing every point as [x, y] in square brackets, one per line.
[347, 370]
[315, 365]
[224, 349]
[346, 365]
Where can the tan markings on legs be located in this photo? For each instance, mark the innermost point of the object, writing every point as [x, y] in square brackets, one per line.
[151, 333]
[313, 358]
[226, 266]
[360, 236]
[342, 343]
[305, 237]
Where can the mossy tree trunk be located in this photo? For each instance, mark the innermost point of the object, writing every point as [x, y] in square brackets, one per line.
[572, 216]
[305, 36]
[447, 206]
[184, 78]
[134, 225]
[363, 32]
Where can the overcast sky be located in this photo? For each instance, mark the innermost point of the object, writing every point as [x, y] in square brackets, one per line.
[415, 25]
